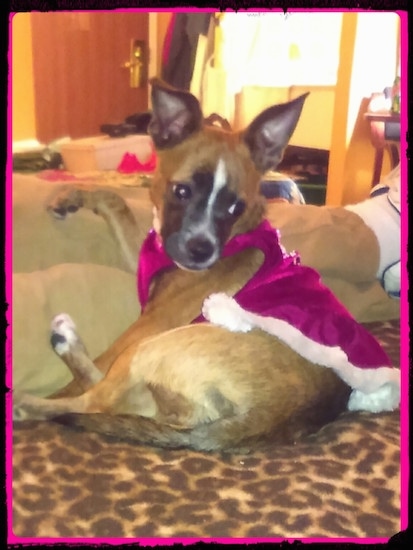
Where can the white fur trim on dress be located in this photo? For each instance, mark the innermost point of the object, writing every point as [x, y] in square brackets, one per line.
[374, 390]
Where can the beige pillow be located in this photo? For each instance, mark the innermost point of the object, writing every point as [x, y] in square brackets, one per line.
[335, 242]
[101, 300]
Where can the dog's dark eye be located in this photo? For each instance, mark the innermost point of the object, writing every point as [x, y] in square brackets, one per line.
[182, 191]
[237, 208]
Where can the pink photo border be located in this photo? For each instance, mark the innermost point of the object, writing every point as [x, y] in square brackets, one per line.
[404, 340]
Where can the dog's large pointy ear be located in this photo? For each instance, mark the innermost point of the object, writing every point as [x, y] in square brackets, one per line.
[175, 115]
[269, 133]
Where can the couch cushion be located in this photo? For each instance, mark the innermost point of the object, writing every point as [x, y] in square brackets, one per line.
[101, 300]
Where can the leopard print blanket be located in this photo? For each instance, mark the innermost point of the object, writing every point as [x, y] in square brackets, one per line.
[341, 482]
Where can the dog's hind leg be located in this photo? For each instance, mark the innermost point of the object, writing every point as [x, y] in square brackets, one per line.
[31, 407]
[111, 206]
[69, 347]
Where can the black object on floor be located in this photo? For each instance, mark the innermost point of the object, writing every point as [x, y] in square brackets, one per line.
[308, 167]
[133, 124]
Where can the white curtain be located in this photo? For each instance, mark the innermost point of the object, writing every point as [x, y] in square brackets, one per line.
[272, 49]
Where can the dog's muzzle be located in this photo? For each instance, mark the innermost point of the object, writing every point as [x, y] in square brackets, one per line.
[194, 253]
[200, 250]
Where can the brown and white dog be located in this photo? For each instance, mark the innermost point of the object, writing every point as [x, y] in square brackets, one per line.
[168, 382]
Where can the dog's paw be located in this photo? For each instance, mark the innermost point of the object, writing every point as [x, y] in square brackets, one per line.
[63, 334]
[23, 406]
[67, 201]
[19, 412]
[220, 309]
[31, 407]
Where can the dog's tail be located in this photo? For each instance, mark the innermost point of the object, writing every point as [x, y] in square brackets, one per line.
[129, 428]
[223, 434]
[233, 432]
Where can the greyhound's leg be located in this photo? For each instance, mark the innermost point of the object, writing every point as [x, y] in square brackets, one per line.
[69, 347]
[107, 204]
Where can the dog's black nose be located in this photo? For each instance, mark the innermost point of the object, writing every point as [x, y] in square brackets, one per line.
[200, 249]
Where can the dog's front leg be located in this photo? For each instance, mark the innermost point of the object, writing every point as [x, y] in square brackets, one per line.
[107, 204]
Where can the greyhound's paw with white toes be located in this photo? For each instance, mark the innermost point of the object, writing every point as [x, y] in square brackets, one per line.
[63, 336]
[221, 309]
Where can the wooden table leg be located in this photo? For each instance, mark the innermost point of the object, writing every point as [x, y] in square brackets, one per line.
[394, 154]
[378, 164]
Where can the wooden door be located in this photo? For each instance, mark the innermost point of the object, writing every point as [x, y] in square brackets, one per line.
[79, 81]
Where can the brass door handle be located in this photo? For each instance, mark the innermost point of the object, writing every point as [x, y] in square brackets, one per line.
[136, 64]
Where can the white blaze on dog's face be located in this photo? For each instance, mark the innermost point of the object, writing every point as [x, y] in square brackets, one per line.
[199, 213]
[206, 188]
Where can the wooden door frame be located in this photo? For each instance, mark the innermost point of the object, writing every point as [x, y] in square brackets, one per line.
[153, 46]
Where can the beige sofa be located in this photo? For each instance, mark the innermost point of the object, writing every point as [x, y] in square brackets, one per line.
[74, 266]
